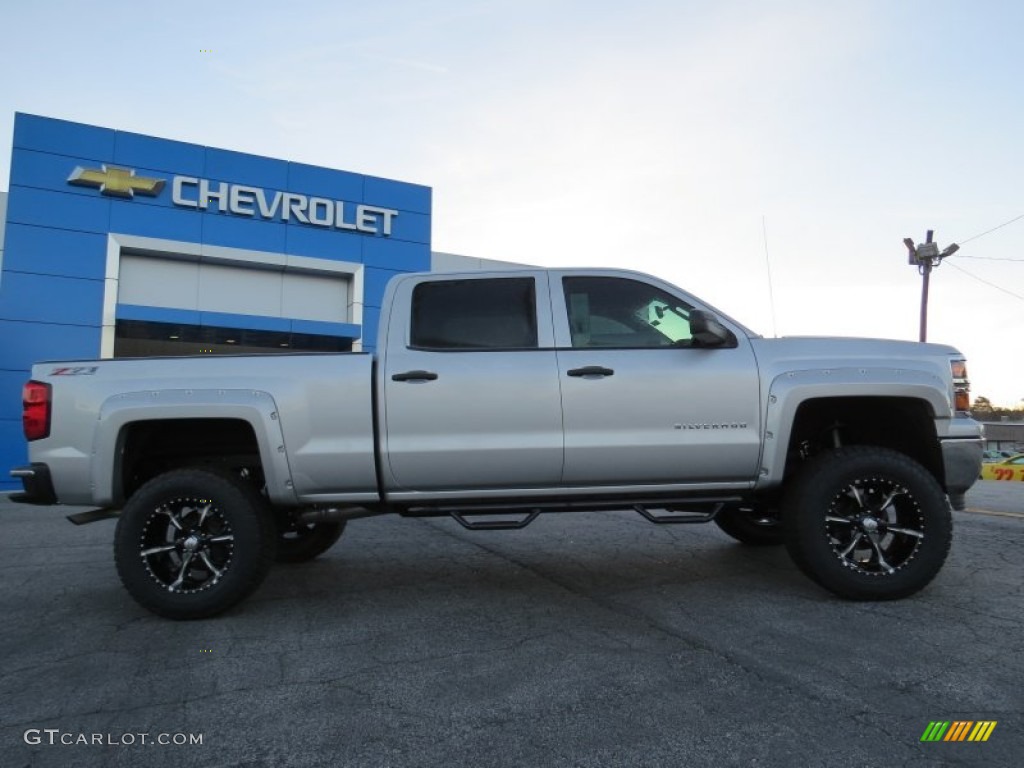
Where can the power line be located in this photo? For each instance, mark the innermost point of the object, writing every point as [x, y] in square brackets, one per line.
[989, 258]
[989, 231]
[986, 282]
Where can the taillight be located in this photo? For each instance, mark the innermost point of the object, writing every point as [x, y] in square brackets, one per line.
[961, 385]
[35, 410]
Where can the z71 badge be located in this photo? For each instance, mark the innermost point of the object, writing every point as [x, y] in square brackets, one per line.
[79, 370]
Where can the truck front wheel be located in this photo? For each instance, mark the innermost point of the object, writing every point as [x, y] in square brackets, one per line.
[191, 543]
[867, 523]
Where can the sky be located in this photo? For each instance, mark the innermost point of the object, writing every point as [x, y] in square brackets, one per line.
[768, 156]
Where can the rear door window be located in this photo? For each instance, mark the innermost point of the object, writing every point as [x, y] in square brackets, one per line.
[489, 313]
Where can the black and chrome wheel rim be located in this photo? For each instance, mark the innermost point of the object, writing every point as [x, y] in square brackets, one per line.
[875, 526]
[187, 545]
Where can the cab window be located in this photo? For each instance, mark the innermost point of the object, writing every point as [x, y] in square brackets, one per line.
[618, 312]
[499, 313]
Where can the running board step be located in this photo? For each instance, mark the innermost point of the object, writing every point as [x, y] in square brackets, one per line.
[494, 525]
[676, 515]
[92, 516]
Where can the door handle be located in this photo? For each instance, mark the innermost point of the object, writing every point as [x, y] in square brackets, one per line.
[415, 376]
[591, 370]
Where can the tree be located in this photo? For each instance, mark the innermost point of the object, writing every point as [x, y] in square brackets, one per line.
[983, 410]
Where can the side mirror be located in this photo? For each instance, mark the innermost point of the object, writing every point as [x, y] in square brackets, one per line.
[707, 331]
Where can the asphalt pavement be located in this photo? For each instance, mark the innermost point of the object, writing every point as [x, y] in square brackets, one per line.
[586, 639]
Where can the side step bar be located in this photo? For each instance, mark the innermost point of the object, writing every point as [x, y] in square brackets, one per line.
[93, 516]
[494, 525]
[673, 515]
[695, 510]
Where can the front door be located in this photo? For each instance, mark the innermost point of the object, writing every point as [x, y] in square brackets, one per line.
[642, 403]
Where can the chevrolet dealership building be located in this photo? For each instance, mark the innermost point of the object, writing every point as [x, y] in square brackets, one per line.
[116, 244]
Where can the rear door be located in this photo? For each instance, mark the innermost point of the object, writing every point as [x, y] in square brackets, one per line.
[642, 403]
[471, 397]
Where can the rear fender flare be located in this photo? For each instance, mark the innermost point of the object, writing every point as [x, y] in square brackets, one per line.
[255, 407]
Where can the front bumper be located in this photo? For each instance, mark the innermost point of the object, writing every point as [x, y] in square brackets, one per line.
[961, 458]
[37, 483]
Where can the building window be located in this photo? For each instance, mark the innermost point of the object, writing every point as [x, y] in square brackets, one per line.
[135, 338]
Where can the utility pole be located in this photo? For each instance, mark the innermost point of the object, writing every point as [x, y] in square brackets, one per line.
[926, 256]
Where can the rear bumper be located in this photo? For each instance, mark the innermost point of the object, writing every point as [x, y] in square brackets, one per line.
[38, 484]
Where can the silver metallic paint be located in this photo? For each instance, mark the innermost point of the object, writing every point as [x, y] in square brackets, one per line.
[491, 425]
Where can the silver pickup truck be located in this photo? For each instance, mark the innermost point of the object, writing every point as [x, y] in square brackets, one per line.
[493, 397]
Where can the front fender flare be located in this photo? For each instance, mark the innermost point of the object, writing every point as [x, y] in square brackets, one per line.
[790, 390]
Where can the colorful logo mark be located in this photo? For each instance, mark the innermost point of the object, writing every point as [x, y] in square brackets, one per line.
[958, 730]
[116, 182]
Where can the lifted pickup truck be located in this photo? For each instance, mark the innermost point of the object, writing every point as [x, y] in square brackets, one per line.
[493, 397]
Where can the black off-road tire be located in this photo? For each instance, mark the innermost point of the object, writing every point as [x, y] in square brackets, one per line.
[192, 543]
[867, 523]
[751, 525]
[298, 542]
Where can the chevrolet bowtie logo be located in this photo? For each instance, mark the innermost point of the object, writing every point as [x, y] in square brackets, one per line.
[116, 182]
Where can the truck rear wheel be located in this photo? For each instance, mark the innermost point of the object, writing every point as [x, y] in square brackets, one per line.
[191, 543]
[867, 523]
[299, 542]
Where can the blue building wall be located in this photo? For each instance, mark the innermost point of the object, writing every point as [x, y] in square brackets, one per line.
[55, 250]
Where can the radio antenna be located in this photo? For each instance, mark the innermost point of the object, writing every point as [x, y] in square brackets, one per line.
[768, 266]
